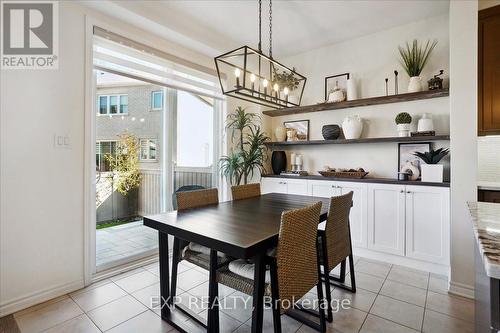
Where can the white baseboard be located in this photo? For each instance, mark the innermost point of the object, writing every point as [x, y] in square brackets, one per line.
[39, 297]
[403, 261]
[461, 289]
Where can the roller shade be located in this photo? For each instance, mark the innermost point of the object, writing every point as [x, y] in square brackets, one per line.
[119, 55]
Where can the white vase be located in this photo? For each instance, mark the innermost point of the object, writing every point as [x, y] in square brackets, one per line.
[280, 133]
[352, 127]
[415, 84]
[432, 173]
[425, 123]
[352, 92]
[403, 130]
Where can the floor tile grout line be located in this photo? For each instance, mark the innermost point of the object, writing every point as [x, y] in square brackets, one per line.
[126, 320]
[378, 293]
[425, 304]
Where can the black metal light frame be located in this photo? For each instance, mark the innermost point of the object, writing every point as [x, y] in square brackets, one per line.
[242, 91]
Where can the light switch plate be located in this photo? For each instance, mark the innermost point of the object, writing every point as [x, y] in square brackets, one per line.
[62, 141]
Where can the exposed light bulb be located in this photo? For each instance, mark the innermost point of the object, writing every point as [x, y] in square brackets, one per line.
[264, 83]
[237, 72]
[133, 118]
[285, 90]
[252, 77]
[142, 120]
[276, 87]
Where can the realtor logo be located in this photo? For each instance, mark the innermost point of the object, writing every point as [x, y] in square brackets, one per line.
[29, 35]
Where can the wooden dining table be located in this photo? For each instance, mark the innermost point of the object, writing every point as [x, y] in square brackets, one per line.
[243, 229]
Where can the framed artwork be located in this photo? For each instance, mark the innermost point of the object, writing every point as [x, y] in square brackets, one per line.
[301, 127]
[406, 150]
[331, 81]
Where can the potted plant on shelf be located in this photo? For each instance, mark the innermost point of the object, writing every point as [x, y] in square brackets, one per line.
[403, 121]
[431, 170]
[249, 152]
[287, 80]
[413, 59]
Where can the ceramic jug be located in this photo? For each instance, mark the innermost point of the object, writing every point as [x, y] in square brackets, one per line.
[352, 127]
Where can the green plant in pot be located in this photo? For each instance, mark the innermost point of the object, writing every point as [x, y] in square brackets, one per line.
[431, 170]
[249, 152]
[286, 79]
[403, 121]
[413, 58]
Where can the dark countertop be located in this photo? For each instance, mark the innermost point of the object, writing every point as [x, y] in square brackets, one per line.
[364, 180]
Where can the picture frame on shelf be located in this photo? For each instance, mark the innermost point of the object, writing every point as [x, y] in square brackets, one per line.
[301, 128]
[330, 82]
[406, 150]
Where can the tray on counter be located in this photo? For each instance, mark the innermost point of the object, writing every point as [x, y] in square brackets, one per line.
[344, 174]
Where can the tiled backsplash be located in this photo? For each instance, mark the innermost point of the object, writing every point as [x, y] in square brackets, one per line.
[489, 158]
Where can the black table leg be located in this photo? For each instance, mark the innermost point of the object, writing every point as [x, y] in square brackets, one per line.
[258, 294]
[164, 275]
[213, 294]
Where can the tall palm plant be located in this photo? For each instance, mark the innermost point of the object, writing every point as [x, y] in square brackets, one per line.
[249, 154]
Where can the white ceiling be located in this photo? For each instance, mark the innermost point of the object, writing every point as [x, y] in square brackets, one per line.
[214, 27]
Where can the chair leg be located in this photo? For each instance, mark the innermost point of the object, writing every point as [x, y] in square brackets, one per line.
[326, 272]
[175, 264]
[351, 270]
[275, 298]
[342, 271]
[321, 309]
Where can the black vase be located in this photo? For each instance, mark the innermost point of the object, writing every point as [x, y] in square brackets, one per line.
[331, 132]
[278, 161]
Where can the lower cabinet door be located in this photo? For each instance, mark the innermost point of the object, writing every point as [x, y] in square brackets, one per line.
[358, 218]
[428, 223]
[386, 218]
[323, 188]
[296, 186]
[273, 185]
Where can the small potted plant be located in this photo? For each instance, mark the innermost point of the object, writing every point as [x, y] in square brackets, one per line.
[403, 121]
[414, 57]
[431, 170]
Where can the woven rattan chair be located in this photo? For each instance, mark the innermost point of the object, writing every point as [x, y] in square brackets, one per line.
[292, 271]
[336, 246]
[189, 200]
[245, 191]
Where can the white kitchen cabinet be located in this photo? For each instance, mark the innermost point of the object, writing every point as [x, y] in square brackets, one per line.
[284, 185]
[428, 223]
[386, 218]
[358, 218]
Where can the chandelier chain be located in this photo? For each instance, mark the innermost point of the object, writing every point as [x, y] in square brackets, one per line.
[260, 25]
[271, 29]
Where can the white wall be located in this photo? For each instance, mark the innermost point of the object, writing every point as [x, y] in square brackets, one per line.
[42, 192]
[370, 59]
[463, 131]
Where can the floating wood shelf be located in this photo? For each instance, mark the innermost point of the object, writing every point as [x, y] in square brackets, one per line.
[359, 102]
[363, 140]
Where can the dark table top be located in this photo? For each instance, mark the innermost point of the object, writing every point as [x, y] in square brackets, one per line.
[241, 229]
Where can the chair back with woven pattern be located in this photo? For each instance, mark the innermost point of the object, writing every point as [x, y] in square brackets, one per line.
[338, 239]
[245, 191]
[296, 253]
[197, 198]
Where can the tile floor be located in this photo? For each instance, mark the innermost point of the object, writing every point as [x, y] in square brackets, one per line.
[389, 299]
[124, 240]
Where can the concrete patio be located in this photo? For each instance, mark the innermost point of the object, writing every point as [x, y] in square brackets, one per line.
[124, 241]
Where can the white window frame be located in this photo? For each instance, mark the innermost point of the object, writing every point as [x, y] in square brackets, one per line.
[108, 105]
[148, 159]
[153, 100]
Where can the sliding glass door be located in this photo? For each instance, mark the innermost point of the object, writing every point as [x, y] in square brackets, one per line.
[156, 133]
[130, 171]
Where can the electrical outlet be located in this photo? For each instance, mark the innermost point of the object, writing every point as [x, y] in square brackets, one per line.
[62, 141]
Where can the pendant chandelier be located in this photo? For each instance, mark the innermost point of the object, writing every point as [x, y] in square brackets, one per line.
[250, 75]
